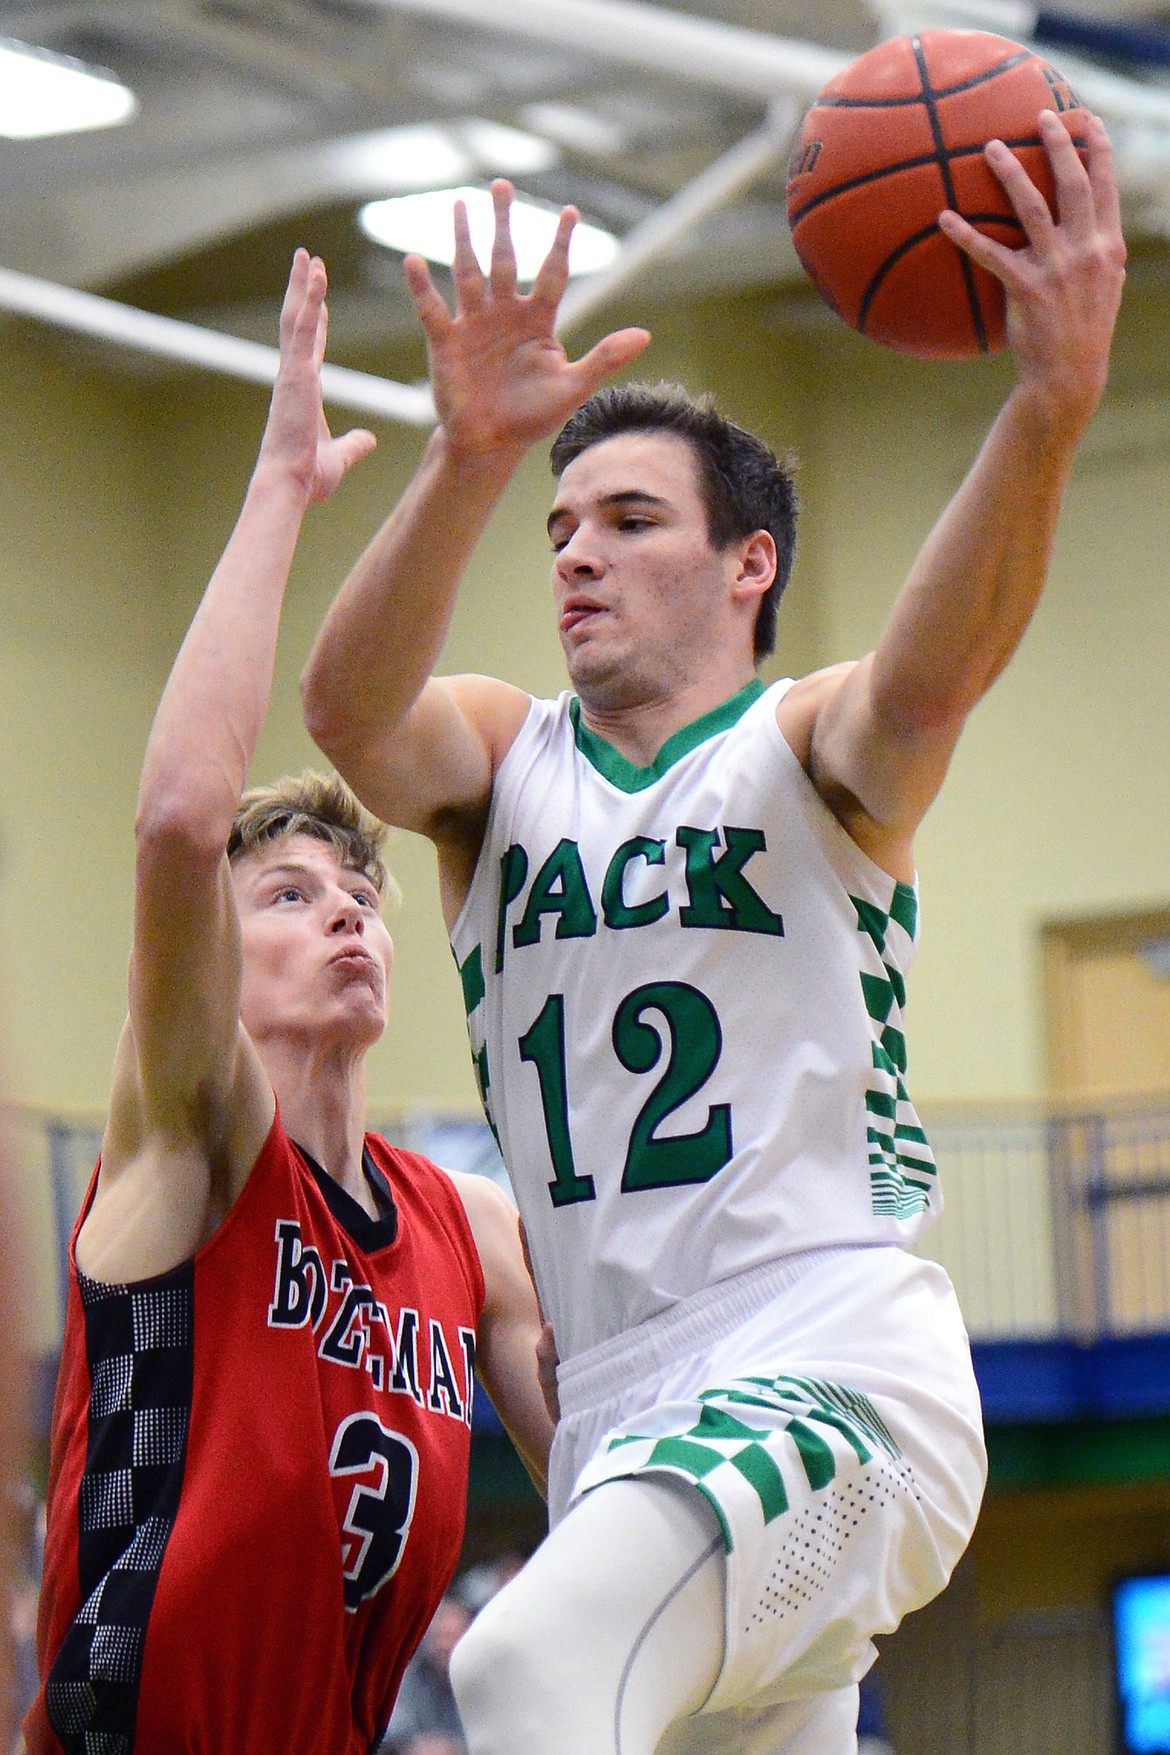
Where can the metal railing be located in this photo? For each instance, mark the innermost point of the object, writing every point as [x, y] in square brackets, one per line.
[1057, 1222]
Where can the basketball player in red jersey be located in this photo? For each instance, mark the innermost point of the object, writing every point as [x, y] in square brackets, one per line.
[263, 1418]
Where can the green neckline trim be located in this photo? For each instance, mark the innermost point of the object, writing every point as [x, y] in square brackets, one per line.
[626, 775]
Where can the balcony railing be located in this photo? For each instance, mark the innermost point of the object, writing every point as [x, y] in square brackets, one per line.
[1057, 1222]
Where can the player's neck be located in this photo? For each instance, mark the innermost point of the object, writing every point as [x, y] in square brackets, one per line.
[322, 1100]
[638, 729]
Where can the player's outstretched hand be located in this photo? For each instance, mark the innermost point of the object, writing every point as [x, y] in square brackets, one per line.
[297, 436]
[500, 377]
[1064, 287]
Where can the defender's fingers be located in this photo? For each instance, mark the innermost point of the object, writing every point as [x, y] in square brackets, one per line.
[428, 301]
[610, 354]
[305, 330]
[465, 269]
[294, 293]
[553, 275]
[322, 334]
[503, 266]
[354, 445]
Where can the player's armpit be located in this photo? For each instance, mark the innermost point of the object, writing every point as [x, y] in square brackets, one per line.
[877, 774]
[170, 1172]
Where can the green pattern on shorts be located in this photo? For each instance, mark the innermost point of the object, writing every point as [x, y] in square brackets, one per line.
[902, 1170]
[850, 1412]
[724, 1436]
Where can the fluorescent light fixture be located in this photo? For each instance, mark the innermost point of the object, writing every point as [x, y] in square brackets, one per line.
[505, 152]
[424, 224]
[573, 126]
[433, 155]
[42, 93]
[422, 155]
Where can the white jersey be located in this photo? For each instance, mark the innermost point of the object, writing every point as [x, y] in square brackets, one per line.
[684, 986]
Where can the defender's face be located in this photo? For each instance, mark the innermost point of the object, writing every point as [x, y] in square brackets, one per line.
[316, 951]
[640, 592]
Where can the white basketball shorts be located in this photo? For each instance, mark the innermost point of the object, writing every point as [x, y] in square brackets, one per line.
[826, 1408]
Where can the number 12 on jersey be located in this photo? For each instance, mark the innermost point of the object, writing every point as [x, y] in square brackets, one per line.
[653, 1159]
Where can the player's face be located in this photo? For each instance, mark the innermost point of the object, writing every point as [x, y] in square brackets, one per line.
[316, 952]
[641, 595]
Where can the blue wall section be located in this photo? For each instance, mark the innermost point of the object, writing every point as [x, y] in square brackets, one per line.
[1025, 1381]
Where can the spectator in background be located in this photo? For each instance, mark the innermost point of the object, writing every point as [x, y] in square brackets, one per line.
[425, 1720]
[479, 1584]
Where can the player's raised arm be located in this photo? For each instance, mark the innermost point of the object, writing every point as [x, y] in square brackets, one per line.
[182, 1063]
[423, 756]
[879, 737]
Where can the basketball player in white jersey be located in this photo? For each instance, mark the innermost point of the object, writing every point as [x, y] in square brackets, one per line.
[682, 908]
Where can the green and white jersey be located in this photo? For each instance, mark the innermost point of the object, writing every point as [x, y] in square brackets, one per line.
[684, 987]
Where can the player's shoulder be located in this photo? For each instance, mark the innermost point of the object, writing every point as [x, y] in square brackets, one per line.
[494, 1224]
[441, 1189]
[803, 701]
[818, 684]
[491, 1215]
[482, 1198]
[496, 709]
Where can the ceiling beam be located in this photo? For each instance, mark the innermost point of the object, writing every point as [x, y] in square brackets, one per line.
[711, 190]
[724, 56]
[731, 58]
[63, 307]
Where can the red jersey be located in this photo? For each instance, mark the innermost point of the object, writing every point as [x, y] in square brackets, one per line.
[259, 1471]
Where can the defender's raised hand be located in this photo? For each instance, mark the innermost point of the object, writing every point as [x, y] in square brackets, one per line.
[500, 377]
[1064, 287]
[297, 436]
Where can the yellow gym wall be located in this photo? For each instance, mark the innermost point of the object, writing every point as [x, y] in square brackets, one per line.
[120, 487]
[1058, 801]
[80, 592]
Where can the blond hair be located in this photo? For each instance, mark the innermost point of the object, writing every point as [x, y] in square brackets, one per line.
[321, 805]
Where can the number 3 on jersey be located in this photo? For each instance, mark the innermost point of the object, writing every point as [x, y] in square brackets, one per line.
[378, 1518]
[653, 1160]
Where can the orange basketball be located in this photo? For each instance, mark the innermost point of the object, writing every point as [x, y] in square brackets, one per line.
[897, 136]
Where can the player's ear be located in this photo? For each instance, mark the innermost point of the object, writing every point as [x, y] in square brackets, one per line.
[755, 564]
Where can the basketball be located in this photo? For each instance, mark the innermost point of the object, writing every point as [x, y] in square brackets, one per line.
[897, 136]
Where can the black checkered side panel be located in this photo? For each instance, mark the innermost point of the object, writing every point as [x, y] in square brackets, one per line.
[140, 1342]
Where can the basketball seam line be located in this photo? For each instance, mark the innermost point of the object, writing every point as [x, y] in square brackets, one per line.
[913, 164]
[943, 162]
[942, 91]
[883, 269]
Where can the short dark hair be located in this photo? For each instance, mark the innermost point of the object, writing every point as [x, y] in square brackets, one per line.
[745, 486]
